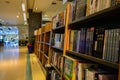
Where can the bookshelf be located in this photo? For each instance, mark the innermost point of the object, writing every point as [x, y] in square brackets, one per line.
[43, 44]
[107, 19]
[58, 44]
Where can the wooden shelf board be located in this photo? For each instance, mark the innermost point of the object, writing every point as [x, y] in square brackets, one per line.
[57, 48]
[58, 71]
[60, 29]
[47, 43]
[94, 59]
[106, 16]
[45, 55]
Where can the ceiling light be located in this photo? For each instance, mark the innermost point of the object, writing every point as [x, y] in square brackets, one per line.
[36, 8]
[24, 16]
[23, 7]
[46, 15]
[25, 23]
[17, 16]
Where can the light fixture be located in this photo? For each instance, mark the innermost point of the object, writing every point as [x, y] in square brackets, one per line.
[23, 7]
[24, 16]
[46, 15]
[25, 23]
[17, 16]
[36, 8]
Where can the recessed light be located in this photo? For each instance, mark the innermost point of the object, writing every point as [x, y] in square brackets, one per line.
[17, 16]
[46, 15]
[23, 7]
[35, 8]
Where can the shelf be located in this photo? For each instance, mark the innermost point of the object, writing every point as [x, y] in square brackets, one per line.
[36, 41]
[41, 51]
[42, 42]
[58, 71]
[38, 50]
[45, 55]
[60, 29]
[103, 17]
[94, 59]
[57, 48]
[47, 43]
[48, 31]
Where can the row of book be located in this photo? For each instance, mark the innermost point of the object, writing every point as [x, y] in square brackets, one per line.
[81, 8]
[98, 42]
[55, 59]
[111, 45]
[81, 70]
[59, 19]
[55, 75]
[58, 40]
[81, 40]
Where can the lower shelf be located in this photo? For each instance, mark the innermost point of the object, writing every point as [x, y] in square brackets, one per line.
[94, 59]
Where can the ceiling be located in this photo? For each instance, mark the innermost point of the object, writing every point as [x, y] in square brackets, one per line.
[11, 10]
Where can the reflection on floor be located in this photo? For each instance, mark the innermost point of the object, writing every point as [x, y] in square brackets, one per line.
[13, 64]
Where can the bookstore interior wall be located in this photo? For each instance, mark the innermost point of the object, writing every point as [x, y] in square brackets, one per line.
[82, 42]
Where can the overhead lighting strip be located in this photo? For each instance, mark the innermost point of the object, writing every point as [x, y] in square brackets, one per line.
[24, 16]
[23, 7]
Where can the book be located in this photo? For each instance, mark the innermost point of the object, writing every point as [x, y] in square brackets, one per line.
[54, 75]
[82, 40]
[91, 6]
[98, 74]
[111, 45]
[71, 40]
[68, 68]
[107, 77]
[89, 41]
[74, 40]
[80, 9]
[72, 11]
[98, 43]
[80, 69]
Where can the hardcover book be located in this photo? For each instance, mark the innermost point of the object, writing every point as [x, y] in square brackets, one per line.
[80, 9]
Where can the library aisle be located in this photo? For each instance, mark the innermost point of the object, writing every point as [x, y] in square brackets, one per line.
[16, 64]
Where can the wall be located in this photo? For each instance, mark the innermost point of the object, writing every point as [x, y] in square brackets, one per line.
[34, 22]
[23, 32]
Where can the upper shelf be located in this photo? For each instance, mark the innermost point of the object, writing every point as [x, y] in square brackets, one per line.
[60, 29]
[103, 17]
[57, 48]
[94, 59]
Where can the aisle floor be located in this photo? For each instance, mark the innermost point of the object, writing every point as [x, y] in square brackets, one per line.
[17, 64]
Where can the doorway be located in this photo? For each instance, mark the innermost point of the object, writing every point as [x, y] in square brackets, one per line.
[9, 36]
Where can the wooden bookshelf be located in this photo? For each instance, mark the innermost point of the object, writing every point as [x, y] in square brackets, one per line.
[44, 44]
[107, 18]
